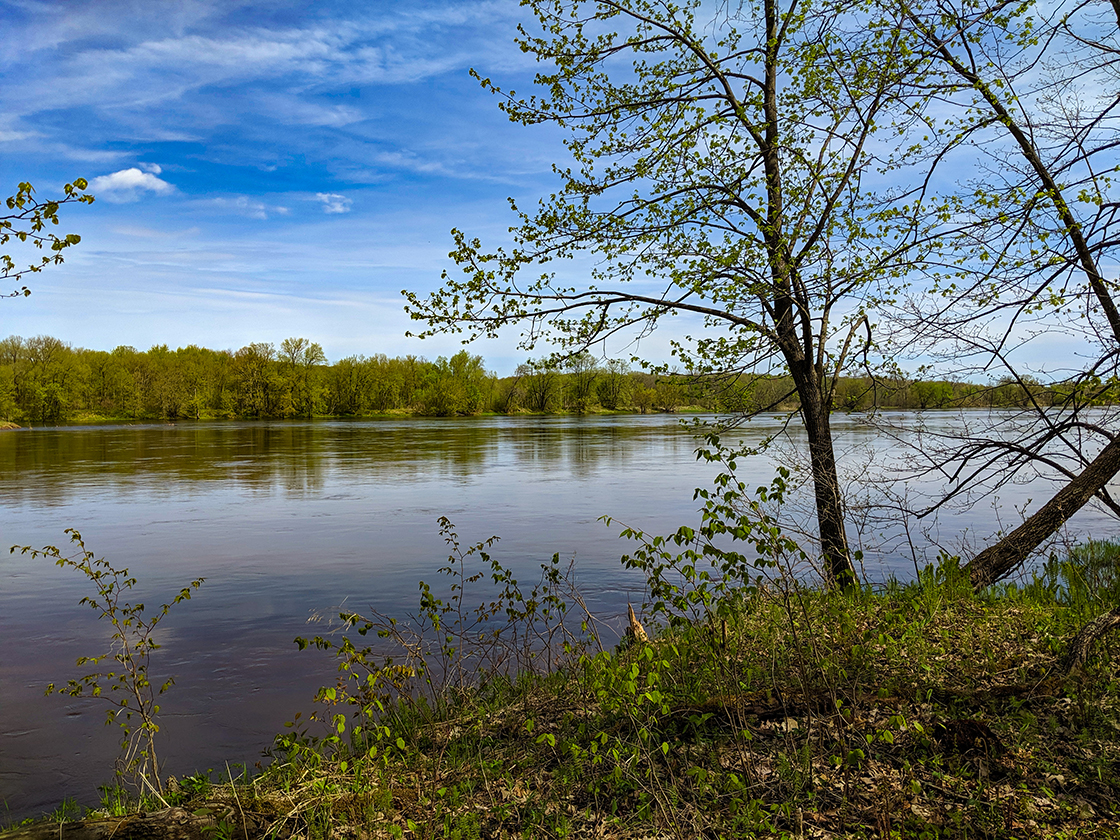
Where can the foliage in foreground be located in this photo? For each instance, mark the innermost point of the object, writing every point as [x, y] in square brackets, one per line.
[26, 220]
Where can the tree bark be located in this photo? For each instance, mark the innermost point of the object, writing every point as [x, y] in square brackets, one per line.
[1078, 650]
[826, 491]
[999, 560]
[838, 567]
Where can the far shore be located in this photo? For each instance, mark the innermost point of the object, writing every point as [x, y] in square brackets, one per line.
[83, 419]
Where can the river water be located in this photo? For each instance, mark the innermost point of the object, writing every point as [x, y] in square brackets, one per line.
[289, 520]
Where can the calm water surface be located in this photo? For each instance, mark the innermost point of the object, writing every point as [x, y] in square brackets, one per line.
[285, 520]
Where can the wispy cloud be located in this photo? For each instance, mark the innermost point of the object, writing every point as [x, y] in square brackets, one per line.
[251, 208]
[9, 136]
[150, 71]
[127, 185]
[83, 153]
[141, 232]
[212, 73]
[290, 110]
[334, 203]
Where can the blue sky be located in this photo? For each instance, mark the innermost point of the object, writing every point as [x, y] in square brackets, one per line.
[262, 170]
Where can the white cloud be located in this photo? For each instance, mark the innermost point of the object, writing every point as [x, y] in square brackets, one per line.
[9, 136]
[153, 168]
[334, 203]
[127, 184]
[285, 108]
[250, 207]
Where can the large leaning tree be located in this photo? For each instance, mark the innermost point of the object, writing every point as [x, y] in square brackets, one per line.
[1030, 98]
[722, 167]
[28, 220]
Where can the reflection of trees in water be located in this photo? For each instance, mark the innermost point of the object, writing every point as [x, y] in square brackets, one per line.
[538, 443]
[455, 448]
[550, 444]
[590, 447]
[598, 449]
[291, 456]
[53, 466]
[586, 450]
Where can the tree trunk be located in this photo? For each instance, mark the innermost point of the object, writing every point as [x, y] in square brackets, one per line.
[999, 560]
[826, 490]
[838, 568]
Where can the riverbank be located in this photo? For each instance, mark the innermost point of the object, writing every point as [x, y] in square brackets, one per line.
[90, 419]
[919, 710]
[398, 414]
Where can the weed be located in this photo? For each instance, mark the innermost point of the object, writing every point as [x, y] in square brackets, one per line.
[133, 700]
[68, 811]
[114, 800]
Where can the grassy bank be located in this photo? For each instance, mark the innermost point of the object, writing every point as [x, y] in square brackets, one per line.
[916, 710]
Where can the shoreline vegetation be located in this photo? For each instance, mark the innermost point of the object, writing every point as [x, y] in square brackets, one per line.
[756, 706]
[44, 381]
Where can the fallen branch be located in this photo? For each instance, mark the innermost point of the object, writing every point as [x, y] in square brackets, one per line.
[1078, 650]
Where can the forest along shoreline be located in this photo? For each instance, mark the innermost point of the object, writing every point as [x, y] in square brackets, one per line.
[753, 705]
[45, 381]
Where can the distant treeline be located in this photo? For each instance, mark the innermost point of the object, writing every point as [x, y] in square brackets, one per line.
[44, 380]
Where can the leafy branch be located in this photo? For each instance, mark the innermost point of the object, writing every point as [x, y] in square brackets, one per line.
[132, 698]
[27, 222]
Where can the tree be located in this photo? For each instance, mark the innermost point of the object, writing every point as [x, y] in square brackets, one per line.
[667, 393]
[347, 386]
[298, 360]
[614, 386]
[542, 385]
[583, 371]
[932, 394]
[9, 408]
[255, 381]
[1030, 243]
[718, 171]
[508, 395]
[26, 222]
[459, 385]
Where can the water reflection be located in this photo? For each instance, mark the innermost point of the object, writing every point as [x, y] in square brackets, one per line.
[55, 466]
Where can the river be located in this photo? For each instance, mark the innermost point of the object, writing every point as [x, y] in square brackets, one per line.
[289, 520]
